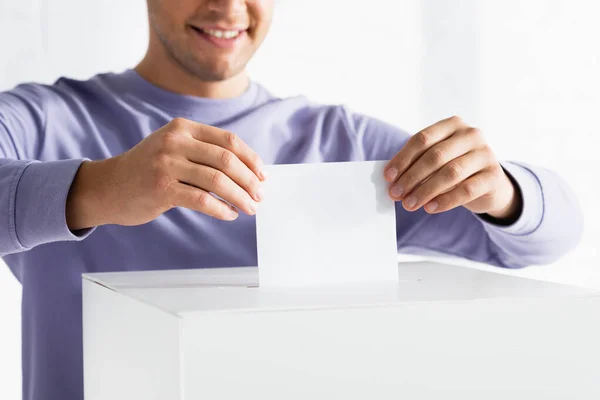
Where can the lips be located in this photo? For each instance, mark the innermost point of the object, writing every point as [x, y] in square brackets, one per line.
[219, 36]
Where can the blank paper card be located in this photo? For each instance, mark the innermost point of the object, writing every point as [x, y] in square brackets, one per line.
[326, 223]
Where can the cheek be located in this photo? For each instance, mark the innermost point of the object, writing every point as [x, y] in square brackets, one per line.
[261, 13]
[171, 14]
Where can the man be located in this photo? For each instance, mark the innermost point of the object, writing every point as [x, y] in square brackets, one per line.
[188, 121]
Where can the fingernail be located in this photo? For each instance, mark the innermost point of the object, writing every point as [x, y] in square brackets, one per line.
[432, 206]
[410, 202]
[233, 214]
[252, 206]
[259, 194]
[391, 174]
[397, 191]
[263, 174]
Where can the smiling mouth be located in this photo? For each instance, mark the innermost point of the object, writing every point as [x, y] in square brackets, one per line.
[220, 34]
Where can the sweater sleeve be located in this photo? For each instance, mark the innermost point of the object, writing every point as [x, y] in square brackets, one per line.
[33, 194]
[549, 226]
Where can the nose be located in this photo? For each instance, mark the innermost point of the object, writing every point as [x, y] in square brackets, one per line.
[227, 7]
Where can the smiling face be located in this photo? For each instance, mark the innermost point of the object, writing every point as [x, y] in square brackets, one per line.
[212, 40]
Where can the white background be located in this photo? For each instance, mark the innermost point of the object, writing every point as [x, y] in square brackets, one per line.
[524, 72]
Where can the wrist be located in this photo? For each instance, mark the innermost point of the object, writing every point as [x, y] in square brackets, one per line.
[89, 201]
[513, 206]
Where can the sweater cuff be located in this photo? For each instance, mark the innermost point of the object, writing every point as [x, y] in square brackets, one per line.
[532, 213]
[40, 203]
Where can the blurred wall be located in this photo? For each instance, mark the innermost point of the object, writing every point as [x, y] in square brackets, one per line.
[524, 72]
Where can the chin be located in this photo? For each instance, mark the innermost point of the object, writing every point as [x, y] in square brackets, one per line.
[216, 72]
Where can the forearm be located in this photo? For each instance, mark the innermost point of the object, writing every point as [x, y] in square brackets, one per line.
[549, 226]
[551, 223]
[33, 203]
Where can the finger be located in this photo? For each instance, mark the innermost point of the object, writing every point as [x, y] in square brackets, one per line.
[232, 142]
[215, 181]
[199, 200]
[473, 188]
[447, 178]
[226, 161]
[418, 144]
[432, 160]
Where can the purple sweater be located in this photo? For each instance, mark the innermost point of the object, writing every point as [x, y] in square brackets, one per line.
[47, 131]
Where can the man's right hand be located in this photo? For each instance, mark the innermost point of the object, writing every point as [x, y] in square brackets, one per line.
[176, 166]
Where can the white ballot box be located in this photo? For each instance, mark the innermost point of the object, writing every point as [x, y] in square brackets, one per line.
[440, 332]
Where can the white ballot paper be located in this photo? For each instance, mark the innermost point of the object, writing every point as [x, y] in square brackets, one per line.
[326, 223]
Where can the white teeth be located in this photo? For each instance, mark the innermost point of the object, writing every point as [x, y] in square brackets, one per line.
[221, 34]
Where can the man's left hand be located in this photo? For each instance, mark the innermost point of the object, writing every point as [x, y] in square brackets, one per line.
[447, 165]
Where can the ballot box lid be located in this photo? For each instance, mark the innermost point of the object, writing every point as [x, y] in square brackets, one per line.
[183, 292]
